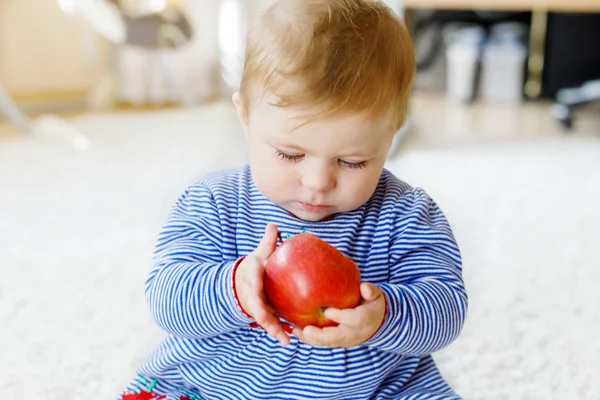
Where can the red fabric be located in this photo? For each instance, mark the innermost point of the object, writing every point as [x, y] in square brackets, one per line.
[288, 328]
[144, 395]
[147, 396]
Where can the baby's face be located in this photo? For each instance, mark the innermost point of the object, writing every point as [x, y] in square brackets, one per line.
[319, 168]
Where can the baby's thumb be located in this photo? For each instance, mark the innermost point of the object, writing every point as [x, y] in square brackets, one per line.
[369, 291]
[268, 243]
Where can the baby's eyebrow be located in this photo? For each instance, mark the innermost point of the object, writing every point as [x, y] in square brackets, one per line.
[290, 146]
[360, 154]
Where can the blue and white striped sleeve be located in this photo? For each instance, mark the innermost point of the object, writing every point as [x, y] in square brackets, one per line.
[190, 288]
[426, 296]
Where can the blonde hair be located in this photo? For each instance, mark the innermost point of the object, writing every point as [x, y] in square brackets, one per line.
[343, 56]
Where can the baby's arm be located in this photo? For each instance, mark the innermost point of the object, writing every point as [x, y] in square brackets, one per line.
[422, 307]
[425, 295]
[190, 288]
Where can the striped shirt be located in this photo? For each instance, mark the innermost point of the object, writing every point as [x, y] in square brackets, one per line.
[401, 242]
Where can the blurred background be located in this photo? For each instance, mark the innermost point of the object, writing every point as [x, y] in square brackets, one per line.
[110, 108]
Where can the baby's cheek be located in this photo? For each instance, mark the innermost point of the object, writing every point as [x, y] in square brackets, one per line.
[358, 192]
[272, 182]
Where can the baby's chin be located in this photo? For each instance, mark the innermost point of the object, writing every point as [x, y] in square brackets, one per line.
[315, 217]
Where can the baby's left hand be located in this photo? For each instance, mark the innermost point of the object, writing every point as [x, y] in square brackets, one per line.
[356, 325]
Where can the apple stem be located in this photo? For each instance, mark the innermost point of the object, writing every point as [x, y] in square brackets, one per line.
[322, 309]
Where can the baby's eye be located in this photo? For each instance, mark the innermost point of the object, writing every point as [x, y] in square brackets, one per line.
[288, 157]
[351, 165]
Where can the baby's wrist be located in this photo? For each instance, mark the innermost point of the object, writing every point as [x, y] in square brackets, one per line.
[236, 294]
[385, 314]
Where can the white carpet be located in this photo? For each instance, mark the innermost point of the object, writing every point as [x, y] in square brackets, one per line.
[77, 231]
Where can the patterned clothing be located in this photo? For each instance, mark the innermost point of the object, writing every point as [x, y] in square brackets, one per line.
[401, 242]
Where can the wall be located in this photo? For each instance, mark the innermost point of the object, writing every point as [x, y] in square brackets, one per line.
[42, 51]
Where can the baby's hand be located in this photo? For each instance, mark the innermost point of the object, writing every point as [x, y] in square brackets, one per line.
[249, 287]
[356, 325]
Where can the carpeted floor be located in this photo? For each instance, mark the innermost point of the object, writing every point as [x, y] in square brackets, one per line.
[77, 230]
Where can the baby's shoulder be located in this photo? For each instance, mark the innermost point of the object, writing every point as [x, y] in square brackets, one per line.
[391, 191]
[411, 207]
[224, 183]
[402, 203]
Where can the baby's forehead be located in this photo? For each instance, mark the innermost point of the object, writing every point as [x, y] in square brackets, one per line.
[267, 105]
[300, 120]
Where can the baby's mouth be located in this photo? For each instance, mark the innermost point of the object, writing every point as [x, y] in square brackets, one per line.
[314, 208]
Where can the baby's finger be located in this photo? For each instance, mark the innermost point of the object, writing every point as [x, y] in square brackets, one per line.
[261, 311]
[369, 292]
[331, 336]
[350, 317]
[299, 333]
[301, 336]
[268, 320]
[271, 324]
[274, 329]
[268, 243]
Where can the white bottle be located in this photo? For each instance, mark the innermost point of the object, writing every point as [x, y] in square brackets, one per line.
[463, 54]
[503, 67]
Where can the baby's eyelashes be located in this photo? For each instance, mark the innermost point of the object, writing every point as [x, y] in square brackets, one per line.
[288, 157]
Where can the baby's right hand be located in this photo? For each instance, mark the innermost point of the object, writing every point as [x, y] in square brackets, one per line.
[249, 287]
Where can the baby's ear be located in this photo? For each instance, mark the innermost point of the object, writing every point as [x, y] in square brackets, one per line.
[242, 112]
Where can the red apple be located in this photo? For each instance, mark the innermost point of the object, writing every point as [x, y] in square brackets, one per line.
[306, 275]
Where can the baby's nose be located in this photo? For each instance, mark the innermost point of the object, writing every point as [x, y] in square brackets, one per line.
[319, 179]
